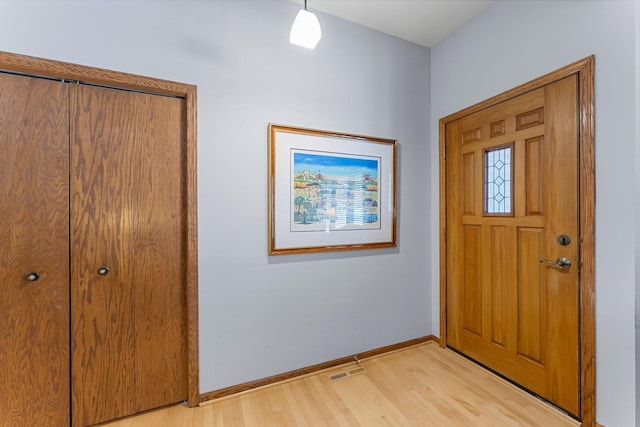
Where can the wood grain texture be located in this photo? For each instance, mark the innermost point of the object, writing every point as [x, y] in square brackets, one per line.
[453, 271]
[562, 198]
[103, 310]
[584, 70]
[469, 177]
[534, 172]
[34, 324]
[62, 70]
[530, 316]
[586, 124]
[421, 386]
[128, 213]
[68, 71]
[191, 252]
[501, 292]
[473, 301]
[540, 335]
[158, 246]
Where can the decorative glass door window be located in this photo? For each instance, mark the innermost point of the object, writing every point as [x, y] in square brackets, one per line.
[498, 191]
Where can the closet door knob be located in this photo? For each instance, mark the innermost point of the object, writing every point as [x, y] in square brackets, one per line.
[32, 277]
[103, 271]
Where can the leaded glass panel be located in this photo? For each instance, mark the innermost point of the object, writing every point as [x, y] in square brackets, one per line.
[497, 181]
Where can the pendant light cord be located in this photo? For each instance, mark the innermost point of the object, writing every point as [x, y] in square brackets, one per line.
[305, 4]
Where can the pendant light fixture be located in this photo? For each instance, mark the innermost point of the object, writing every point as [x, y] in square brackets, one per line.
[305, 30]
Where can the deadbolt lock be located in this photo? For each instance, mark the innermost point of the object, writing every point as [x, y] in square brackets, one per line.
[563, 239]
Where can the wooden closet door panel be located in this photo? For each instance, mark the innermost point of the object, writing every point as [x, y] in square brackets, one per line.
[34, 211]
[158, 242]
[129, 326]
[103, 346]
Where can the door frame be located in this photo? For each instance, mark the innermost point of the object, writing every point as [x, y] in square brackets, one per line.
[33, 66]
[584, 69]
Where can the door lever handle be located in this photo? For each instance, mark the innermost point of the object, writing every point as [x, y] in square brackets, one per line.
[563, 263]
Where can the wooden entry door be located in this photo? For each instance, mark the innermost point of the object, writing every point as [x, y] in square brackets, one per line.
[34, 252]
[512, 228]
[128, 292]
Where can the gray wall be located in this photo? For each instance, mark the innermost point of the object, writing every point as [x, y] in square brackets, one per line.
[260, 316]
[513, 42]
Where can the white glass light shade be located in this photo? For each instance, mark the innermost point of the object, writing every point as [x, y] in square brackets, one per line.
[305, 30]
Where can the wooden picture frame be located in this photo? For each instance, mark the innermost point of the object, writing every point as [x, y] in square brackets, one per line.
[330, 191]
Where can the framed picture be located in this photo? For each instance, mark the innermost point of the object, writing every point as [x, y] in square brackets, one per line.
[330, 191]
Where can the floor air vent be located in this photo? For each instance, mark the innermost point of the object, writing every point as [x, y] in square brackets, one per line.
[345, 374]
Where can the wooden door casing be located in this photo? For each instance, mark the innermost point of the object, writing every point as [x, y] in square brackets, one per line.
[129, 326]
[504, 308]
[34, 320]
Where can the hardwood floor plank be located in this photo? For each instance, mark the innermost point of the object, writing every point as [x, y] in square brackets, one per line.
[232, 413]
[307, 409]
[422, 385]
[337, 410]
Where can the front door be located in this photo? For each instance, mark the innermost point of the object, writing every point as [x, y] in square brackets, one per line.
[512, 240]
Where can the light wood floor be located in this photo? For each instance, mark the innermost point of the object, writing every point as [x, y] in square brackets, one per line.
[420, 386]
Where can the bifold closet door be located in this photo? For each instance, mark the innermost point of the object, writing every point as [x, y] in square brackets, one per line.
[127, 253]
[34, 252]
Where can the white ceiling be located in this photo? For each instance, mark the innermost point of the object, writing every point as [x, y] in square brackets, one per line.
[424, 22]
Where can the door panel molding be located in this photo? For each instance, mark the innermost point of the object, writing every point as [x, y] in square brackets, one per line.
[584, 69]
[28, 65]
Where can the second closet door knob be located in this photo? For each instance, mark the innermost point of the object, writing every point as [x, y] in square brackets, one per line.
[103, 271]
[32, 277]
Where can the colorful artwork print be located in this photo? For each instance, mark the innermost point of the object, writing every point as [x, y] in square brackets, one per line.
[332, 192]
